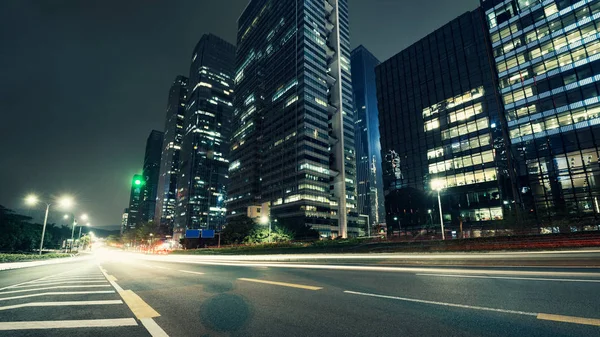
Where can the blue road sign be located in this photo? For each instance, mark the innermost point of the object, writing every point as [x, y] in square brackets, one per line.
[208, 233]
[192, 234]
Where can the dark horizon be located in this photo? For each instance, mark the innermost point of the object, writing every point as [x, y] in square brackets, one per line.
[81, 92]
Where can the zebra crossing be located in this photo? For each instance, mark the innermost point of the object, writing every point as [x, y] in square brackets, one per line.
[83, 299]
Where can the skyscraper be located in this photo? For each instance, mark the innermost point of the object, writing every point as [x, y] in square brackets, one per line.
[135, 201]
[204, 166]
[124, 220]
[151, 173]
[171, 155]
[368, 149]
[441, 129]
[547, 55]
[293, 141]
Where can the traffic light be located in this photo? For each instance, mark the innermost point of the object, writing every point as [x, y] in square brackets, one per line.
[138, 181]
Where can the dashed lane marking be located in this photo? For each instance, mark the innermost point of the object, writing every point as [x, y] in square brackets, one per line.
[140, 308]
[191, 272]
[283, 284]
[569, 319]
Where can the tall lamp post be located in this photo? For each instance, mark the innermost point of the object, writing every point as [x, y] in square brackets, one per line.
[438, 186]
[265, 220]
[33, 200]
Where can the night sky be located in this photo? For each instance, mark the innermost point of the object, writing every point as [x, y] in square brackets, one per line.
[82, 83]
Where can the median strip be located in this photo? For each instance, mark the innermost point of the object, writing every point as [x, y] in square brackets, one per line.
[512, 278]
[283, 284]
[540, 316]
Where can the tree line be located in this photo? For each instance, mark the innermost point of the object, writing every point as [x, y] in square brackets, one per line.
[18, 233]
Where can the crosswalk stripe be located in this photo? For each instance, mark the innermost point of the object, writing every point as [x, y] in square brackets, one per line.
[90, 323]
[60, 304]
[55, 287]
[56, 293]
[52, 283]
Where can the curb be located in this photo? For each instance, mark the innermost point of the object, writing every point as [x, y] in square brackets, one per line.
[27, 264]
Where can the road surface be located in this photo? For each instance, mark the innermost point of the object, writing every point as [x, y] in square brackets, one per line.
[120, 294]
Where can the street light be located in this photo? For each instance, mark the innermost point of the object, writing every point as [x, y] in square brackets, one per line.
[87, 225]
[83, 217]
[33, 200]
[265, 220]
[438, 185]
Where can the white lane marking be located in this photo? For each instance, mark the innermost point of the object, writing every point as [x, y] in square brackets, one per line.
[150, 266]
[464, 306]
[39, 279]
[191, 272]
[111, 280]
[59, 293]
[53, 283]
[512, 278]
[101, 277]
[60, 304]
[55, 287]
[376, 256]
[90, 323]
[154, 329]
[394, 269]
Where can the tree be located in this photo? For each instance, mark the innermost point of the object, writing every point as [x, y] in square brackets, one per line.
[85, 241]
[238, 229]
[17, 233]
[261, 235]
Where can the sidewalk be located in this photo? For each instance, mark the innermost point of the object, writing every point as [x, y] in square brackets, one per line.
[18, 265]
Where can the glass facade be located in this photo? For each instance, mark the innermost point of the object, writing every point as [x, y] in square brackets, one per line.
[151, 174]
[547, 55]
[171, 155]
[293, 138]
[201, 191]
[369, 177]
[441, 126]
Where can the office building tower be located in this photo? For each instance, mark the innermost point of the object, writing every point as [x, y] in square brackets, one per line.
[136, 197]
[548, 64]
[124, 220]
[441, 129]
[293, 139]
[171, 155]
[151, 173]
[369, 178]
[204, 167]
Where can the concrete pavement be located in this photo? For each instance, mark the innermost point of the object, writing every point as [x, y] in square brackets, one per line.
[215, 297]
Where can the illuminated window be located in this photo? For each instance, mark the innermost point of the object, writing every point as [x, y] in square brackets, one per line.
[432, 124]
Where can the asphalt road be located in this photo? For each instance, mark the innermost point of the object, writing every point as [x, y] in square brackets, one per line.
[200, 296]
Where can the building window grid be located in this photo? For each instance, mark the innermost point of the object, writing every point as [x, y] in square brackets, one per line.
[522, 96]
[516, 70]
[507, 68]
[502, 34]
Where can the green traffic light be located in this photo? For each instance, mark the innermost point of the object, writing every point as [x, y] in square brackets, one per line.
[138, 182]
